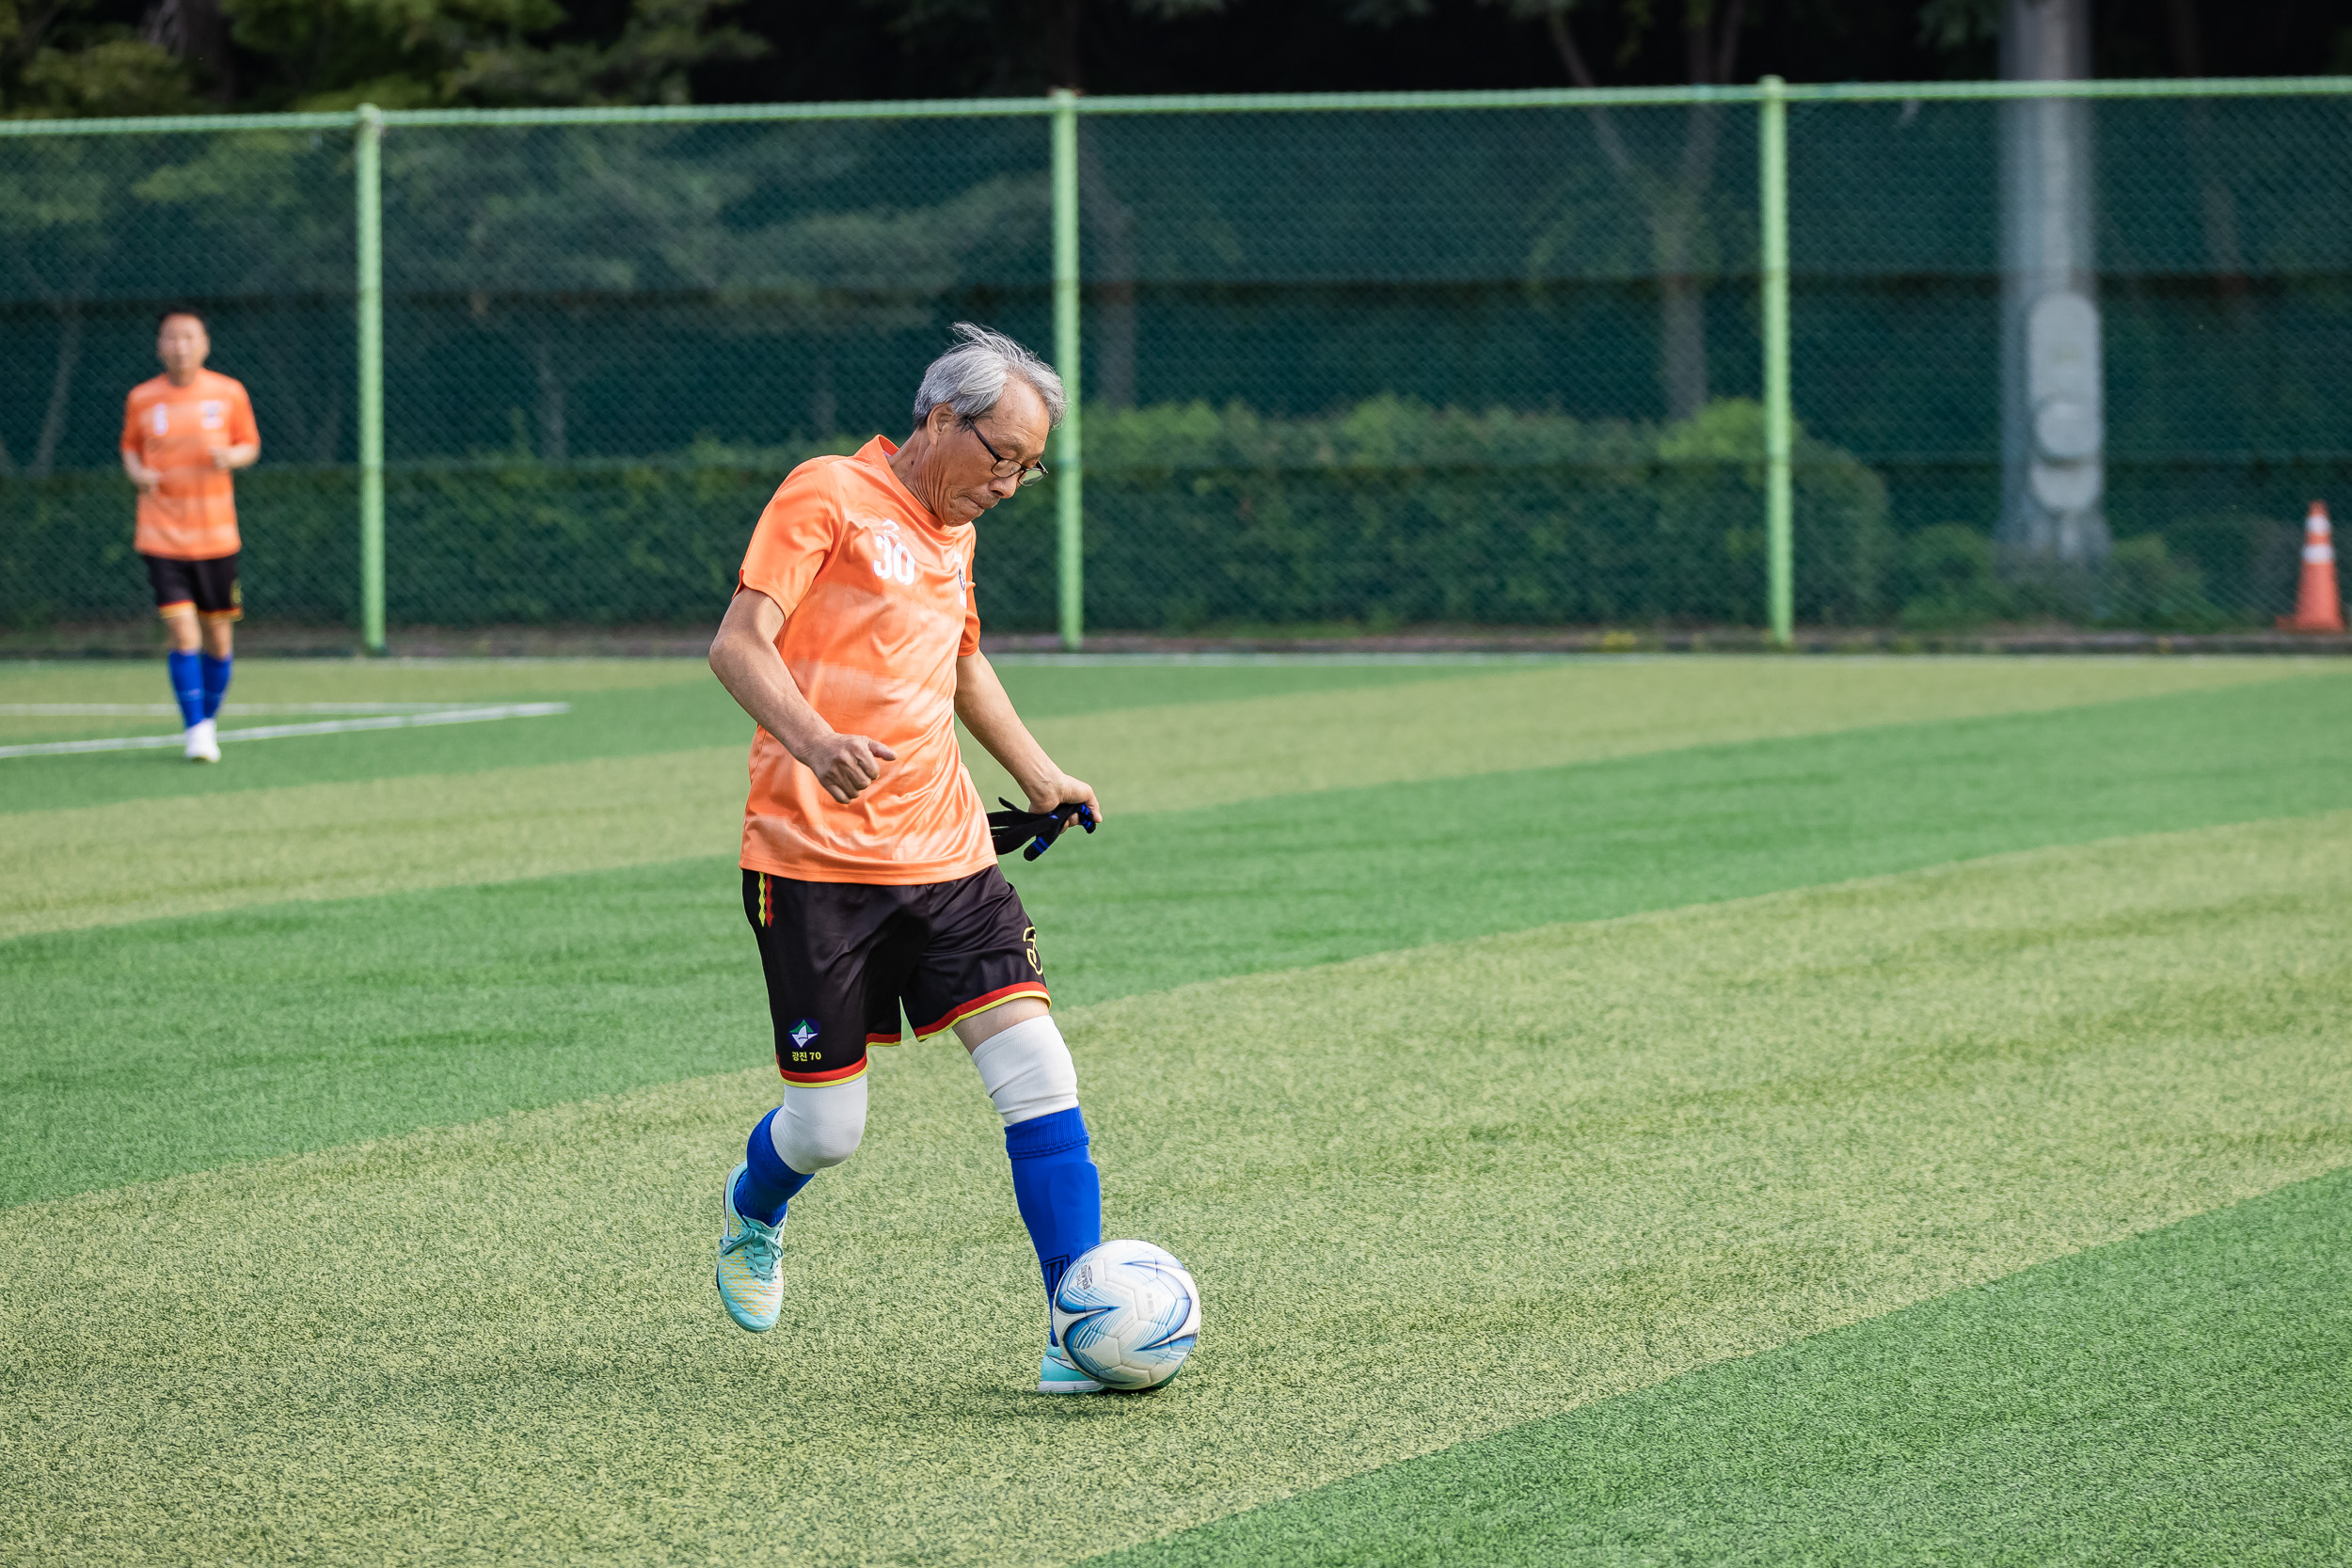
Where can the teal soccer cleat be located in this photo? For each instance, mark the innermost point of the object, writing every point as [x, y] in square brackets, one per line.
[1059, 1375]
[750, 1265]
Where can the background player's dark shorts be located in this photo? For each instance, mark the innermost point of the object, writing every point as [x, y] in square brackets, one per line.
[841, 957]
[210, 585]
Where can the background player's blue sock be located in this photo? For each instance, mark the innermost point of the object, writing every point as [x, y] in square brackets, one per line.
[215, 673]
[767, 1182]
[187, 685]
[1058, 1189]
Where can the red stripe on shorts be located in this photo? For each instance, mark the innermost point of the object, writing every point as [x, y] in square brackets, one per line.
[836, 1075]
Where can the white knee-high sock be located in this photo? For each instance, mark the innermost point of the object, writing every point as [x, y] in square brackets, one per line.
[1027, 1071]
[818, 1124]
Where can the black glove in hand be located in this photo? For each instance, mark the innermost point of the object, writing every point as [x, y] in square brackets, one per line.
[1036, 828]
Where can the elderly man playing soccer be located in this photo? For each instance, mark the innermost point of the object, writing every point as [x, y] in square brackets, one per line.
[868, 875]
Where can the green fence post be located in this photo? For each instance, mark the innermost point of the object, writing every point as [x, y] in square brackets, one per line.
[370, 202]
[1779, 492]
[1069, 460]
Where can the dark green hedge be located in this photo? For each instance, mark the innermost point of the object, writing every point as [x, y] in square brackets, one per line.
[1388, 513]
[1394, 512]
[1391, 512]
[2213, 571]
[65, 546]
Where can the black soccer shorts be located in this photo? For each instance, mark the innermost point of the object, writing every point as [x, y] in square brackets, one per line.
[210, 586]
[841, 957]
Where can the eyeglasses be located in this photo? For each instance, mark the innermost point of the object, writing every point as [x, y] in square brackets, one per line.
[1006, 467]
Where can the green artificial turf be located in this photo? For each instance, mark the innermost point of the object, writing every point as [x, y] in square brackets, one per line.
[1308, 878]
[1223, 752]
[176, 1045]
[1049, 687]
[1430, 1195]
[153, 859]
[601, 725]
[367, 1218]
[637, 709]
[262, 1031]
[2176, 1398]
[105, 863]
[619, 709]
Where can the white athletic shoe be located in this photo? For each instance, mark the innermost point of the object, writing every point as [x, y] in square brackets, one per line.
[203, 744]
[1057, 1374]
[751, 1264]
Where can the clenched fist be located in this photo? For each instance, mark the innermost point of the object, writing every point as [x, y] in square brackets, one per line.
[845, 765]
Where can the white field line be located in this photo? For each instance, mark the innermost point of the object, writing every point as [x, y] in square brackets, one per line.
[166, 710]
[279, 731]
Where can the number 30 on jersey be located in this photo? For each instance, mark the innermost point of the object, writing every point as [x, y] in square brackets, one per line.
[892, 561]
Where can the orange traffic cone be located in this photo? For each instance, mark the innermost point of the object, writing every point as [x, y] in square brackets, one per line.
[2316, 605]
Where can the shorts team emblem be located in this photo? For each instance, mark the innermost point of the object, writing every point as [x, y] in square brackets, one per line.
[804, 1031]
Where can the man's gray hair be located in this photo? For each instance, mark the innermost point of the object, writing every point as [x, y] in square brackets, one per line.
[971, 376]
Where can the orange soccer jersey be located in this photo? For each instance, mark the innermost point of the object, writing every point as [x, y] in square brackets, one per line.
[192, 516]
[877, 607]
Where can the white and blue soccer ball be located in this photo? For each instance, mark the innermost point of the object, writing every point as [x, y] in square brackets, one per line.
[1128, 1314]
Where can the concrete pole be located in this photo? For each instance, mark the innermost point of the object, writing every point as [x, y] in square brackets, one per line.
[1779, 484]
[367, 195]
[2053, 399]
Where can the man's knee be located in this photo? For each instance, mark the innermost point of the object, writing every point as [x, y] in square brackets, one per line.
[819, 1124]
[976, 1030]
[1026, 1070]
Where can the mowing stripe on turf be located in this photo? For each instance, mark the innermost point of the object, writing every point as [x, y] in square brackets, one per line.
[281, 732]
[144, 1051]
[100, 866]
[79, 866]
[2175, 1398]
[1430, 1195]
[290, 680]
[1215, 753]
[228, 710]
[453, 1004]
[1309, 879]
[672, 705]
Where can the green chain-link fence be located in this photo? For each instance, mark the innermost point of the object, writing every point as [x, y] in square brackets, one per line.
[1484, 359]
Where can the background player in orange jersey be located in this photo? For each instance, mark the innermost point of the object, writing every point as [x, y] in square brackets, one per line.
[868, 875]
[182, 434]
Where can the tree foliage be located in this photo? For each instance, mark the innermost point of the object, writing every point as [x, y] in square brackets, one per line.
[70, 57]
[153, 57]
[106, 58]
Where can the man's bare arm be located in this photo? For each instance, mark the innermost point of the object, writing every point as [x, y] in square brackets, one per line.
[987, 711]
[743, 656]
[141, 475]
[243, 456]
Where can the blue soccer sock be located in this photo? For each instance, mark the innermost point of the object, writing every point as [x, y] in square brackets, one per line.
[1058, 1189]
[215, 673]
[767, 1183]
[187, 685]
